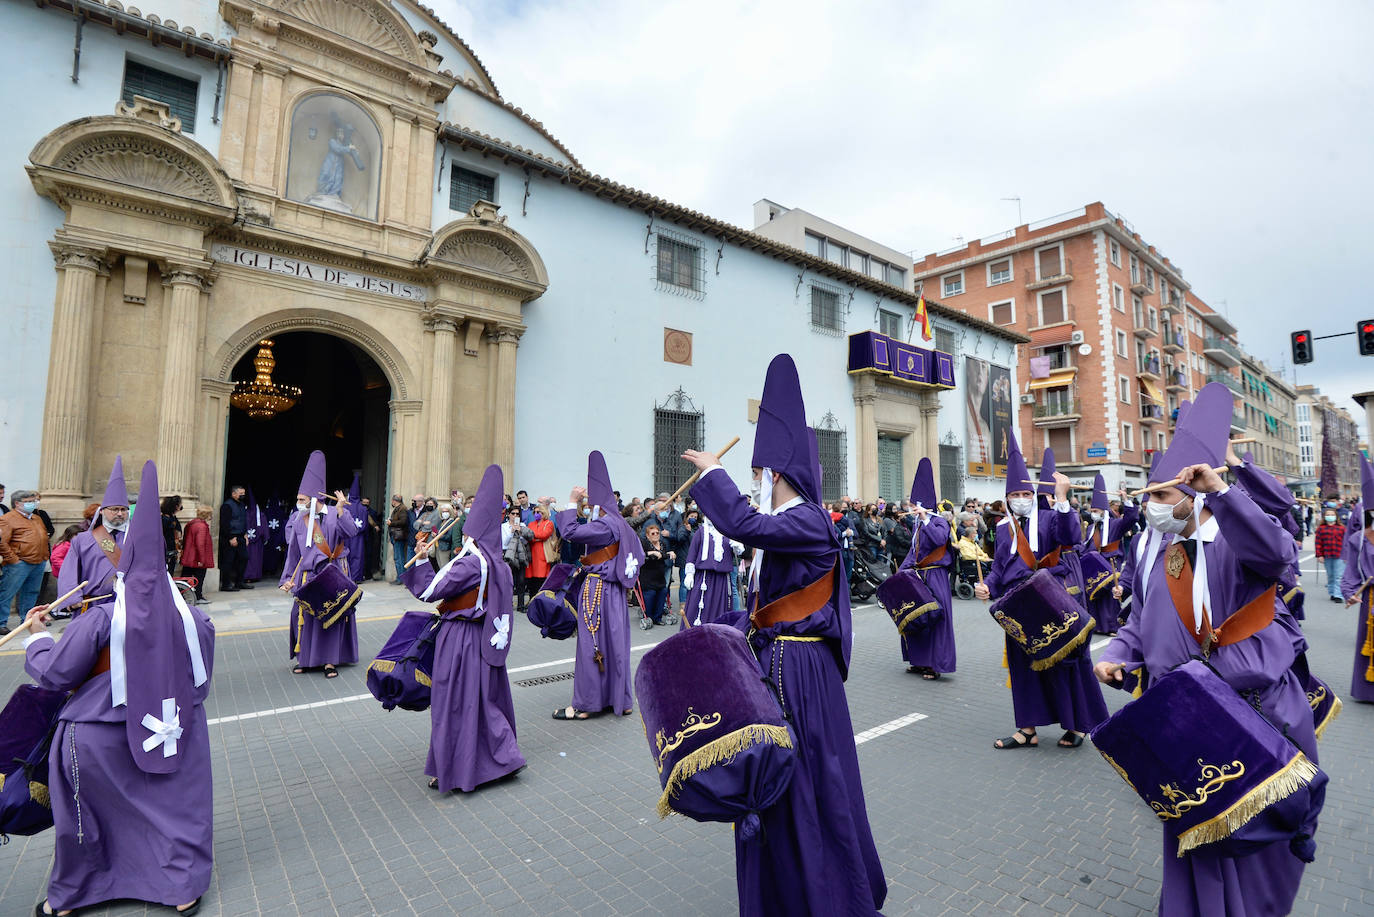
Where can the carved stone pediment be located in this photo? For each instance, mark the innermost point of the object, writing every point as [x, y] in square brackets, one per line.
[487, 251]
[483, 244]
[367, 22]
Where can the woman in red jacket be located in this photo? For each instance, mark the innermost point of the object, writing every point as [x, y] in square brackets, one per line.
[541, 528]
[197, 552]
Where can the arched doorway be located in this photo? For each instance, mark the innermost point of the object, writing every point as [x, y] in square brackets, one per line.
[343, 411]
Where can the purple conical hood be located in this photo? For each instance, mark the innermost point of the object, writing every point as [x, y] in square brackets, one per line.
[483, 524]
[1247, 457]
[781, 438]
[1366, 481]
[116, 491]
[1017, 473]
[1100, 500]
[1200, 436]
[155, 665]
[599, 490]
[1047, 469]
[312, 482]
[355, 492]
[923, 485]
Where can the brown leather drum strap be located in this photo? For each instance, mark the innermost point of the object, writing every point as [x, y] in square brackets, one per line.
[796, 605]
[1253, 617]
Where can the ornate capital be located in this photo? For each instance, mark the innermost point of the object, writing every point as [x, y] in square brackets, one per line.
[273, 68]
[441, 323]
[177, 275]
[862, 398]
[503, 334]
[75, 256]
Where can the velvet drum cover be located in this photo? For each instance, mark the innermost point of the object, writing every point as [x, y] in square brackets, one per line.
[1046, 622]
[909, 601]
[551, 610]
[1098, 573]
[1213, 769]
[329, 595]
[25, 735]
[716, 733]
[401, 675]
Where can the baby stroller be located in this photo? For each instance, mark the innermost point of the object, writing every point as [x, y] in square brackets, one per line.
[867, 575]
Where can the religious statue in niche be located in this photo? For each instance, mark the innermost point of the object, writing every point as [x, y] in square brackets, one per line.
[329, 185]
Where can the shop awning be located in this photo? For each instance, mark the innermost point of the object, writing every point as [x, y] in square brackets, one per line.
[1152, 390]
[1056, 379]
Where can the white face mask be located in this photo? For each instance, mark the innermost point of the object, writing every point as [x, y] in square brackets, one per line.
[1330, 517]
[1097, 516]
[756, 490]
[1160, 517]
[302, 507]
[1021, 506]
[444, 514]
[114, 526]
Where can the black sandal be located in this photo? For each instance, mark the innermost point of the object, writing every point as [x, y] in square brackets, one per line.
[930, 675]
[571, 713]
[434, 783]
[1070, 739]
[298, 670]
[1032, 741]
[330, 671]
[39, 910]
[192, 908]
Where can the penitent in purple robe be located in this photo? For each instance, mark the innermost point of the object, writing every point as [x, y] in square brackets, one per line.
[308, 641]
[121, 832]
[87, 562]
[1247, 553]
[1276, 500]
[603, 624]
[1105, 538]
[1067, 693]
[934, 647]
[255, 539]
[1359, 569]
[819, 856]
[709, 559]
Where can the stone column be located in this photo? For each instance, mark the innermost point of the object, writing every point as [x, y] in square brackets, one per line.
[865, 441]
[268, 117]
[930, 424]
[439, 409]
[65, 449]
[180, 379]
[505, 340]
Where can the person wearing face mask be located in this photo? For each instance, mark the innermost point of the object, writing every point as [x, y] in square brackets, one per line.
[1357, 584]
[233, 541]
[930, 653]
[24, 550]
[95, 554]
[398, 532]
[1213, 595]
[1330, 546]
[1031, 539]
[1104, 539]
[443, 545]
[819, 856]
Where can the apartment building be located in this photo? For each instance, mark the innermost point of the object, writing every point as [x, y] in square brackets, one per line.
[1267, 404]
[1118, 338]
[1320, 419]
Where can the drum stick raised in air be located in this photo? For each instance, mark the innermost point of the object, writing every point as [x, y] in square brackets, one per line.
[693, 479]
[1164, 484]
[437, 535]
[1052, 484]
[60, 599]
[1243, 439]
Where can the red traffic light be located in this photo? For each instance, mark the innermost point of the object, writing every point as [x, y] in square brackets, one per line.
[1367, 328]
[1302, 346]
[1365, 336]
[1300, 338]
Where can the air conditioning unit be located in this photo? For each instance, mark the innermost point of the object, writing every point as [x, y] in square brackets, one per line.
[1028, 399]
[1076, 337]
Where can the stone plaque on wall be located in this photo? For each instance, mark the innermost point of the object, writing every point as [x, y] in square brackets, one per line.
[677, 346]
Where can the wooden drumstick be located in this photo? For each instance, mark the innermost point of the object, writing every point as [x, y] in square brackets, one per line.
[440, 534]
[693, 479]
[1052, 483]
[1165, 484]
[60, 599]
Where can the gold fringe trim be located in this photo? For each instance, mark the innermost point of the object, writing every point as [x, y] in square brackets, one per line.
[39, 793]
[2, 783]
[1330, 717]
[423, 679]
[1005, 664]
[382, 665]
[924, 609]
[1292, 777]
[719, 751]
[1040, 665]
[1104, 582]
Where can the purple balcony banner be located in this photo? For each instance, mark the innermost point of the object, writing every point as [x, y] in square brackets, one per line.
[870, 351]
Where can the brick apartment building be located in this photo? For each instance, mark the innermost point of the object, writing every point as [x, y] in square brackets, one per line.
[1319, 418]
[1118, 338]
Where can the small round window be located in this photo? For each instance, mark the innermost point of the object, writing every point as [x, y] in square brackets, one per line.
[336, 156]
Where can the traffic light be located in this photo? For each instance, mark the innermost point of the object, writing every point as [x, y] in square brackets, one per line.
[1364, 331]
[1302, 345]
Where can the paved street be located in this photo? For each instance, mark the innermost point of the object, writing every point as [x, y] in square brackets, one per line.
[321, 805]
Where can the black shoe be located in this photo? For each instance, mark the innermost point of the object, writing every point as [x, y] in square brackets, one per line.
[3, 630]
[1335, 598]
[229, 589]
[246, 586]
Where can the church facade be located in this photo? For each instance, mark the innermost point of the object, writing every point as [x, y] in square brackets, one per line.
[342, 179]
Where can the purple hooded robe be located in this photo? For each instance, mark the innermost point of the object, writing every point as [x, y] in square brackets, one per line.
[709, 559]
[86, 561]
[933, 647]
[131, 822]
[255, 538]
[309, 642]
[471, 713]
[1358, 582]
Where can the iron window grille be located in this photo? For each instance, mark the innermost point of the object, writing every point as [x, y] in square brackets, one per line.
[951, 472]
[177, 92]
[831, 449]
[678, 426]
[679, 264]
[467, 187]
[826, 312]
[944, 340]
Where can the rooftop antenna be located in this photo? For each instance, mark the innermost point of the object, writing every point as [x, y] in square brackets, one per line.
[1019, 221]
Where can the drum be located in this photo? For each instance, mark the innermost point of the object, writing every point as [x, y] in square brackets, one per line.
[1212, 768]
[1044, 620]
[716, 734]
[909, 601]
[26, 729]
[1098, 574]
[329, 595]
[400, 675]
[551, 610]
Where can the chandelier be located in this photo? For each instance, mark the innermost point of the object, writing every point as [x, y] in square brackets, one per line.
[262, 398]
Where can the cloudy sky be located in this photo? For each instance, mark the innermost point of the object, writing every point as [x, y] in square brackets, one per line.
[1236, 137]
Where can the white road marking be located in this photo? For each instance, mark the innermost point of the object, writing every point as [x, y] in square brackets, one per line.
[1099, 644]
[890, 726]
[277, 711]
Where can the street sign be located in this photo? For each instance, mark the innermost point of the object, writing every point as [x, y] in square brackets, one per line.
[1096, 451]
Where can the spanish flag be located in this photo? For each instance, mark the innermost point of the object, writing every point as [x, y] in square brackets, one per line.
[922, 318]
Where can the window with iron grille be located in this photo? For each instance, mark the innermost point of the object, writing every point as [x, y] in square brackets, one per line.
[944, 340]
[177, 92]
[825, 309]
[830, 447]
[466, 187]
[951, 484]
[681, 267]
[678, 426]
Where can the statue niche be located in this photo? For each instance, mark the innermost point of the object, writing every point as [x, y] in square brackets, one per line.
[335, 156]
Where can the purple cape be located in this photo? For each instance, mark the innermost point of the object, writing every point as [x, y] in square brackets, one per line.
[708, 600]
[308, 641]
[256, 539]
[933, 647]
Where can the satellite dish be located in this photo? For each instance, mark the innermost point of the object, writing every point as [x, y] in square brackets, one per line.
[1085, 349]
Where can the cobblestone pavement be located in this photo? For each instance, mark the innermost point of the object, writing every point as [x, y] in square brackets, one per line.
[321, 805]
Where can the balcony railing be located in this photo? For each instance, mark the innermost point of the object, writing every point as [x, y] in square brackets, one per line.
[1173, 342]
[1220, 350]
[1174, 304]
[1238, 420]
[1227, 380]
[1150, 411]
[1058, 410]
[1149, 365]
[1049, 318]
[1143, 327]
[1035, 280]
[1176, 379]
